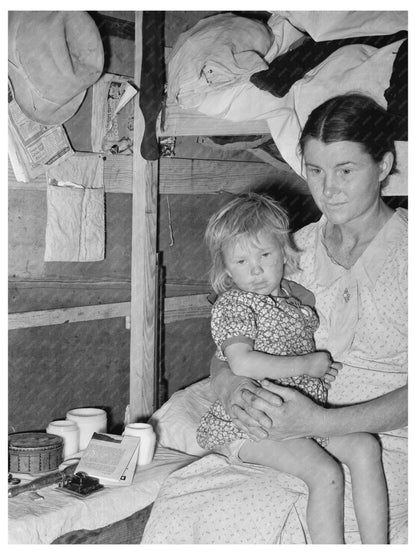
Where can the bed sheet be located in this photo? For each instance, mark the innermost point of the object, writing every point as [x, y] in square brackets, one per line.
[211, 501]
[44, 520]
[214, 502]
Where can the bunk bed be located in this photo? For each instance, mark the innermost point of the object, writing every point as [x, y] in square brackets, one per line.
[176, 420]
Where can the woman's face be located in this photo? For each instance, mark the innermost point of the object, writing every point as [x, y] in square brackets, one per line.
[344, 179]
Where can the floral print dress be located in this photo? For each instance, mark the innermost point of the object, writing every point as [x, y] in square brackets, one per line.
[274, 325]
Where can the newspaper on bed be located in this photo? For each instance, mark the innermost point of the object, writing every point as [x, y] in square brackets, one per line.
[110, 458]
[112, 118]
[32, 145]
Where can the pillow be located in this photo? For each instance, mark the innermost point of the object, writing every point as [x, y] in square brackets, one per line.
[176, 421]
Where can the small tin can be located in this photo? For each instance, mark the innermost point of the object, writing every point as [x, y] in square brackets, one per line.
[34, 452]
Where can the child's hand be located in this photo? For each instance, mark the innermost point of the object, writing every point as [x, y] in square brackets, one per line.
[332, 374]
[318, 364]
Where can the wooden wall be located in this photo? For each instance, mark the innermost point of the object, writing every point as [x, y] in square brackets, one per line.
[55, 368]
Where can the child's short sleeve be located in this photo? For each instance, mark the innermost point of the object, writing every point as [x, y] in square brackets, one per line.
[232, 320]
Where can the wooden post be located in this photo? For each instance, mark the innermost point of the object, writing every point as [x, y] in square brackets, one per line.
[143, 261]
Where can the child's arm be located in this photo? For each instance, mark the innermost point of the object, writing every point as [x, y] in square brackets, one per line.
[244, 361]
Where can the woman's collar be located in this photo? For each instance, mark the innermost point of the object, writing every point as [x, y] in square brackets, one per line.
[326, 271]
[370, 263]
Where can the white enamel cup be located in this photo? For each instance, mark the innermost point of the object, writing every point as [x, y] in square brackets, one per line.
[147, 441]
[89, 420]
[69, 432]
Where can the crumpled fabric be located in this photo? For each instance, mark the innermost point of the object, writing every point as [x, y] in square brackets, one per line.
[329, 25]
[288, 68]
[354, 68]
[289, 27]
[75, 211]
[218, 52]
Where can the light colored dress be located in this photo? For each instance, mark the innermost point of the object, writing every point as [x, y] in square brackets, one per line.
[363, 323]
[363, 314]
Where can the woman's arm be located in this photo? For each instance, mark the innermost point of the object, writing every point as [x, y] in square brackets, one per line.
[229, 388]
[237, 394]
[298, 416]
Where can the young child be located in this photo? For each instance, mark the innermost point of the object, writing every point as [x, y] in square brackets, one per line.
[263, 330]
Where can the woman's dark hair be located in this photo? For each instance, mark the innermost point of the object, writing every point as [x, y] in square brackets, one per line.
[356, 118]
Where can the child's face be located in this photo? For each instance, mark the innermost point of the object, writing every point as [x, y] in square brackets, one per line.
[255, 264]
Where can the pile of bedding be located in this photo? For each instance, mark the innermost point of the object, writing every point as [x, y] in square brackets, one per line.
[311, 57]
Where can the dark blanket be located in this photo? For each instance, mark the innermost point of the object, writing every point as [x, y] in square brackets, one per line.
[127, 531]
[288, 68]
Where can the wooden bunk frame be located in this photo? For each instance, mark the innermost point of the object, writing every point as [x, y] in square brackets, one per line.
[145, 180]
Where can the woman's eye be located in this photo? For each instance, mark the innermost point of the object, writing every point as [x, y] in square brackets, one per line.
[266, 254]
[313, 171]
[240, 261]
[346, 171]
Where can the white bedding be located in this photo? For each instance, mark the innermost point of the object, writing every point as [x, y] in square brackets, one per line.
[44, 520]
[354, 68]
[212, 502]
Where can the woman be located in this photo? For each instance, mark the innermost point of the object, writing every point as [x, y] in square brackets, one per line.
[354, 260]
[262, 330]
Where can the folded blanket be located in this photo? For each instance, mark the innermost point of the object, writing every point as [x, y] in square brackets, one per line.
[75, 204]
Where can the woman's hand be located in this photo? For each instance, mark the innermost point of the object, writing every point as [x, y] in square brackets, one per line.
[256, 422]
[238, 404]
[255, 409]
[298, 416]
[230, 389]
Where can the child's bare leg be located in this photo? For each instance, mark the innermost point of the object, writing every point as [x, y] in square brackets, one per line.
[361, 452]
[321, 473]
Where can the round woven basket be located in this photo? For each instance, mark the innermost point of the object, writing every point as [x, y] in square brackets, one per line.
[34, 452]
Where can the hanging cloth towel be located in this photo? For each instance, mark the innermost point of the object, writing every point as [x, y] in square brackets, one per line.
[75, 217]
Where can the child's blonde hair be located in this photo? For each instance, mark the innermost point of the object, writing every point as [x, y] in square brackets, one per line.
[248, 214]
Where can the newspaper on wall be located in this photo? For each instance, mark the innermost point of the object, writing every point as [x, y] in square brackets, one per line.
[112, 118]
[32, 145]
[111, 458]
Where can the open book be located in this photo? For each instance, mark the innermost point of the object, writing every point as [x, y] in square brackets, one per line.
[110, 458]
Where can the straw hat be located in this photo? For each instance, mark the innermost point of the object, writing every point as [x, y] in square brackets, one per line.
[53, 58]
